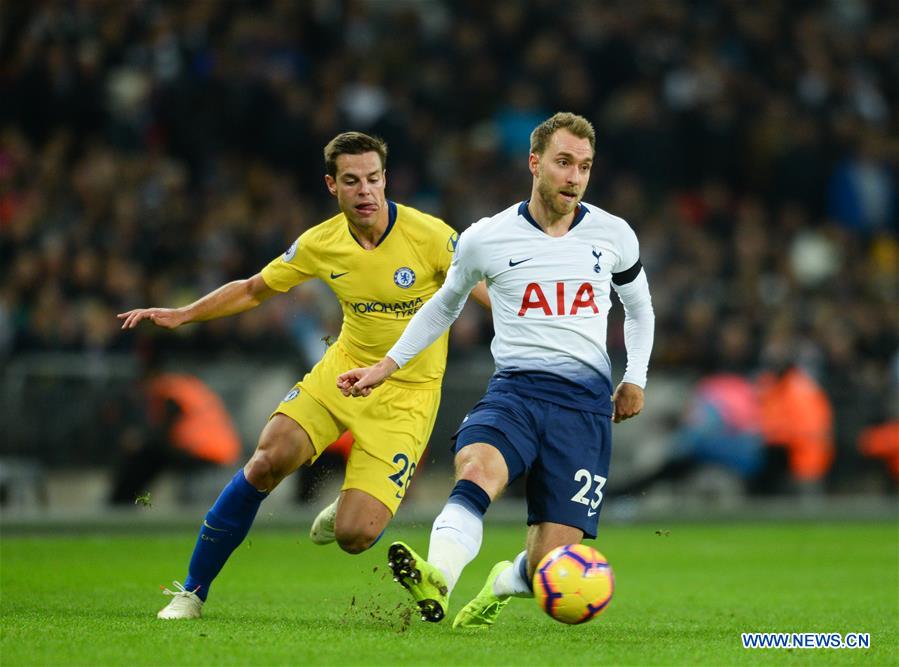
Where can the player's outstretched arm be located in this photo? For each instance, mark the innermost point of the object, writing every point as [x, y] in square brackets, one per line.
[234, 297]
[361, 381]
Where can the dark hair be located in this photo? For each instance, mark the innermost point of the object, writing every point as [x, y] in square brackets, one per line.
[577, 125]
[353, 143]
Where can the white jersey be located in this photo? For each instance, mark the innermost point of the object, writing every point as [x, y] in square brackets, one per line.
[550, 298]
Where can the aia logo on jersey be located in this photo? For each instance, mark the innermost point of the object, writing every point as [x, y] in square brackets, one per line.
[404, 277]
[536, 299]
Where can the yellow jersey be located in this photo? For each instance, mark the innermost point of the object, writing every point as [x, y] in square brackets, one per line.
[379, 289]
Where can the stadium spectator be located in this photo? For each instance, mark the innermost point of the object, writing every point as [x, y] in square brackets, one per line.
[882, 442]
[179, 423]
[863, 193]
[720, 428]
[796, 423]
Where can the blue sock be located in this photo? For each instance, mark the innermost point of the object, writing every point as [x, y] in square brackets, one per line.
[225, 527]
[471, 496]
[522, 563]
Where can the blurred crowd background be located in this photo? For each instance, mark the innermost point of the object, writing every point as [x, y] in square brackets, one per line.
[151, 151]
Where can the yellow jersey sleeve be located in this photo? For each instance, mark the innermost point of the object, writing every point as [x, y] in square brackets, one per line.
[295, 266]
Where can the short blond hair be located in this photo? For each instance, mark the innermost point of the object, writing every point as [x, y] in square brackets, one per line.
[353, 143]
[564, 120]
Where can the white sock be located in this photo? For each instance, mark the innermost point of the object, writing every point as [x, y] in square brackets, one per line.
[510, 582]
[455, 541]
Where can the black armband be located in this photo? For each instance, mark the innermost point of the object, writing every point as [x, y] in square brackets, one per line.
[628, 275]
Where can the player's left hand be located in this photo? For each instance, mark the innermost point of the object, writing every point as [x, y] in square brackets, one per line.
[627, 401]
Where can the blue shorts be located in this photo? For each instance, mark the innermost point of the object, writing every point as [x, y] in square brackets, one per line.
[564, 452]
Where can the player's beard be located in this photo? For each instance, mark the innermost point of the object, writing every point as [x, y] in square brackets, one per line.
[550, 196]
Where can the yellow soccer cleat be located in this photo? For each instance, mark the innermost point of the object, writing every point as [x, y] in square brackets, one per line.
[482, 611]
[424, 582]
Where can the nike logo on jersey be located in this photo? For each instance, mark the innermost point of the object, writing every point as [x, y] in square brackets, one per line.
[335, 276]
[591, 513]
[511, 263]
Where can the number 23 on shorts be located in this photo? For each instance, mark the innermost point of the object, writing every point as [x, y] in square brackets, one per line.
[587, 479]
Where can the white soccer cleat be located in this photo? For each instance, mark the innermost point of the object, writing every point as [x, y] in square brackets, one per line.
[184, 604]
[322, 531]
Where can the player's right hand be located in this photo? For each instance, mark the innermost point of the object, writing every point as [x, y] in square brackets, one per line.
[168, 318]
[361, 381]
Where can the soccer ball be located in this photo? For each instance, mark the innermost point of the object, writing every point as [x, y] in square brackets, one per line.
[573, 583]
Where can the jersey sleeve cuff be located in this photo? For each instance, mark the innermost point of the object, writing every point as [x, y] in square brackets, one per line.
[636, 380]
[270, 281]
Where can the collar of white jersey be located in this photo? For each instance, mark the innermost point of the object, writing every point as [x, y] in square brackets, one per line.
[523, 211]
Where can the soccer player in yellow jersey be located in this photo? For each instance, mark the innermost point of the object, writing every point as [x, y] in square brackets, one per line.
[383, 261]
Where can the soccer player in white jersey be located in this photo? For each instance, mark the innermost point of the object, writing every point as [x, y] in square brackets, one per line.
[550, 264]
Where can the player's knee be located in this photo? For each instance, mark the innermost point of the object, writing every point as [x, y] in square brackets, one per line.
[267, 468]
[356, 541]
[260, 470]
[474, 468]
[277, 455]
[466, 462]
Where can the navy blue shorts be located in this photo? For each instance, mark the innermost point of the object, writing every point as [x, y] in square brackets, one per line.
[565, 454]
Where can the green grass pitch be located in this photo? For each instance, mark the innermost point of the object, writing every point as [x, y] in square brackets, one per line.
[684, 594]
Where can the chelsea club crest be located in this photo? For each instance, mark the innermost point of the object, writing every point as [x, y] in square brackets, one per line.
[404, 277]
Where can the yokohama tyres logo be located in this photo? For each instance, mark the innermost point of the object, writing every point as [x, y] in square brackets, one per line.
[536, 299]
